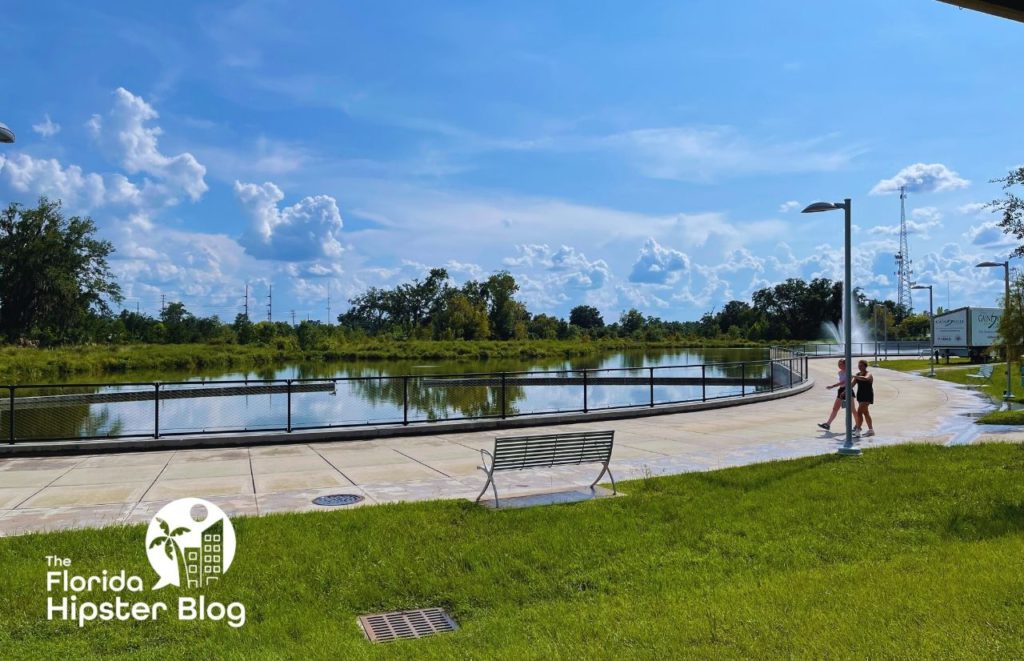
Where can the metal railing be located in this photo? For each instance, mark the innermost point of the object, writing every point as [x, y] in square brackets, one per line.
[62, 412]
[879, 348]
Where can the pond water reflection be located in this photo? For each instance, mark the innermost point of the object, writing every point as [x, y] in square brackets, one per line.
[383, 392]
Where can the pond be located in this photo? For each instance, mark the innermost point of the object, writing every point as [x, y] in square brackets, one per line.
[378, 392]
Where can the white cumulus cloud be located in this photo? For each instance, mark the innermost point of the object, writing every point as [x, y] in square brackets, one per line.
[788, 206]
[47, 176]
[307, 230]
[921, 178]
[126, 132]
[571, 268]
[990, 235]
[657, 264]
[976, 209]
[921, 220]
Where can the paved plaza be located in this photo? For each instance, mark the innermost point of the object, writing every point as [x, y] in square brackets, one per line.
[39, 494]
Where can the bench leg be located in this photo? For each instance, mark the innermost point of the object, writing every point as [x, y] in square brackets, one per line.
[489, 483]
[605, 469]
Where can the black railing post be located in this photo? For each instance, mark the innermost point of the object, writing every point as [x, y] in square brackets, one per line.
[584, 390]
[771, 376]
[703, 383]
[743, 379]
[790, 372]
[289, 428]
[652, 387]
[156, 410]
[10, 416]
[405, 399]
[503, 395]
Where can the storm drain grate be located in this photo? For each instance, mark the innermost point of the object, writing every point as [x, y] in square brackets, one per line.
[338, 500]
[400, 625]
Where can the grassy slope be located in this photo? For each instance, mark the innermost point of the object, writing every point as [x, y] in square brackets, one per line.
[25, 364]
[906, 552]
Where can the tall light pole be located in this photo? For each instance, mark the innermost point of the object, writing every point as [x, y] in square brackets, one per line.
[1006, 312]
[848, 447]
[874, 331]
[885, 332]
[931, 328]
[6, 134]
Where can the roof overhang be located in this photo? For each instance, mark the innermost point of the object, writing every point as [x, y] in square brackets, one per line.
[1011, 10]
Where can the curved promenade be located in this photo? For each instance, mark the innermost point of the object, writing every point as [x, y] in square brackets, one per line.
[44, 493]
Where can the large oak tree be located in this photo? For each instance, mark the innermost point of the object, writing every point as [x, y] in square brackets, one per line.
[54, 277]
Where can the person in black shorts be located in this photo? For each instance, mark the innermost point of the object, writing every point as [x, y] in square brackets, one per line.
[865, 396]
[840, 397]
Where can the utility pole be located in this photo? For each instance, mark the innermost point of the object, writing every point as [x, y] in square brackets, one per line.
[270, 303]
[247, 301]
[293, 317]
[163, 299]
[328, 305]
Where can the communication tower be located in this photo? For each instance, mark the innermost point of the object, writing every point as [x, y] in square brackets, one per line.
[903, 263]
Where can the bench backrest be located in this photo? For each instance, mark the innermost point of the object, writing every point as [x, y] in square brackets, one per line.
[543, 450]
[986, 370]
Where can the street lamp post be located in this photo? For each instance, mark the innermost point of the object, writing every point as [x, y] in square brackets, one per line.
[848, 447]
[931, 328]
[885, 332]
[874, 330]
[1007, 394]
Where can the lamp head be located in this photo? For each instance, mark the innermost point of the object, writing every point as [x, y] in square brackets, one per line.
[983, 264]
[921, 286]
[6, 134]
[821, 206]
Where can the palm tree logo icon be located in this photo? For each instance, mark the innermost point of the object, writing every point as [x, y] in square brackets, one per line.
[166, 540]
[190, 543]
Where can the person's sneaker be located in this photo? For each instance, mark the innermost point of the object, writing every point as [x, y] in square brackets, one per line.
[870, 432]
[855, 433]
[824, 425]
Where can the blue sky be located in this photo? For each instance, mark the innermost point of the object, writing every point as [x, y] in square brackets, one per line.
[649, 155]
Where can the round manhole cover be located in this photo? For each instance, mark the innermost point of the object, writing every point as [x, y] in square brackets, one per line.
[337, 500]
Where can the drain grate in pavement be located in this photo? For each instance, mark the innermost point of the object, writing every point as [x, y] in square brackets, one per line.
[402, 625]
[338, 500]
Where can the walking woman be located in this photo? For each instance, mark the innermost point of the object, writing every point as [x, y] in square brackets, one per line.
[840, 396]
[865, 396]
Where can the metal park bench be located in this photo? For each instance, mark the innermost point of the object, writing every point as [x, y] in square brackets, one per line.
[545, 451]
[984, 372]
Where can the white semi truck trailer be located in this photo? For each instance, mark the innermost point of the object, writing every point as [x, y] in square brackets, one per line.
[968, 332]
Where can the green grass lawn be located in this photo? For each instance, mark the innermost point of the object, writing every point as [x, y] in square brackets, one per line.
[919, 364]
[907, 552]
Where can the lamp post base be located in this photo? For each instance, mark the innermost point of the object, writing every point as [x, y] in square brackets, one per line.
[849, 451]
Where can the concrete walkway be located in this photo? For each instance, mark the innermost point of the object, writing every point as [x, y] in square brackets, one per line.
[39, 494]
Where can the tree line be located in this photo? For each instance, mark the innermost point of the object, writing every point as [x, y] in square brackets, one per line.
[56, 288]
